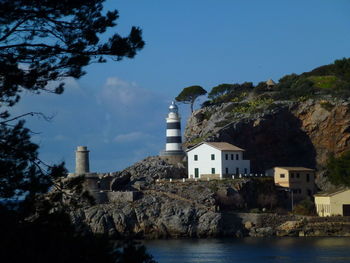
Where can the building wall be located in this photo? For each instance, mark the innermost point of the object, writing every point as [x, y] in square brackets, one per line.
[323, 206]
[204, 162]
[296, 180]
[337, 202]
[242, 165]
[332, 205]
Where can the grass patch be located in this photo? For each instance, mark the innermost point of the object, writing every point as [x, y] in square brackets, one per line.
[253, 106]
[324, 82]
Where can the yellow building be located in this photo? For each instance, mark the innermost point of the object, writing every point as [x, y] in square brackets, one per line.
[300, 180]
[333, 203]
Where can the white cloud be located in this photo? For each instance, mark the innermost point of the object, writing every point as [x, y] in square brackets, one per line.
[117, 82]
[124, 97]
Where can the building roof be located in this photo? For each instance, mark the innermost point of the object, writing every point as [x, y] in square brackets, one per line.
[270, 82]
[291, 168]
[222, 146]
[333, 192]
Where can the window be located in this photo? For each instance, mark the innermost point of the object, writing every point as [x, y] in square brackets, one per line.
[212, 170]
[282, 175]
[226, 170]
[245, 170]
[309, 193]
[292, 175]
[237, 157]
[196, 157]
[213, 156]
[298, 175]
[307, 177]
[196, 172]
[231, 156]
[226, 156]
[237, 170]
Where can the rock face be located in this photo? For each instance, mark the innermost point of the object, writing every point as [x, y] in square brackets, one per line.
[153, 216]
[174, 209]
[287, 134]
[147, 171]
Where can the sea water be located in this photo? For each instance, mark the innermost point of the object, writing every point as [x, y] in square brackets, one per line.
[286, 249]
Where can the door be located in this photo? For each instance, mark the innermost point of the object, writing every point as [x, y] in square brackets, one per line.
[346, 210]
[196, 172]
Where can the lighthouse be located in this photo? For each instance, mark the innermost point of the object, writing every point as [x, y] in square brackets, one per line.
[173, 148]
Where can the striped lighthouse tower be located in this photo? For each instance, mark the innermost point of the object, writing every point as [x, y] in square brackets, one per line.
[173, 148]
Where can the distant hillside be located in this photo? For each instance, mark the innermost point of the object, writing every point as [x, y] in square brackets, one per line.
[300, 121]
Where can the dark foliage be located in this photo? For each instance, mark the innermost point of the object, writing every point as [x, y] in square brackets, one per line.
[51, 238]
[338, 169]
[332, 79]
[226, 92]
[190, 94]
[317, 82]
[20, 169]
[43, 41]
[305, 207]
[261, 87]
[221, 90]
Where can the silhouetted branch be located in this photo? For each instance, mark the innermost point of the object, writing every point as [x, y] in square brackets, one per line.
[28, 114]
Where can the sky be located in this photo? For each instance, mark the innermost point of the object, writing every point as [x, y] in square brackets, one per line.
[118, 109]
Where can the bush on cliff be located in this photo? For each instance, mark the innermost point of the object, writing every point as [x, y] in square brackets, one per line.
[338, 169]
[305, 207]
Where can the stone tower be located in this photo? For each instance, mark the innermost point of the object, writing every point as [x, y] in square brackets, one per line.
[82, 160]
[173, 147]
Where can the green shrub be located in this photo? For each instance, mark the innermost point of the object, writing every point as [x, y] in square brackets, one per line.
[324, 82]
[253, 106]
[338, 169]
[305, 207]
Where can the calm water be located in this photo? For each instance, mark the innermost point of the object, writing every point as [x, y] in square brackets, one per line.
[251, 250]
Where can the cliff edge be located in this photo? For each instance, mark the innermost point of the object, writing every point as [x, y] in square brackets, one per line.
[277, 133]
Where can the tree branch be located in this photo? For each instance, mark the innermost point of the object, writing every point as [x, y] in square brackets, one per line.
[27, 114]
[14, 28]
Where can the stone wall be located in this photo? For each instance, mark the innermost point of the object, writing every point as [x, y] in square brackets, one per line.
[210, 176]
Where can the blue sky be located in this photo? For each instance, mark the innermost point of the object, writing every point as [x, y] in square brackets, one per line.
[118, 109]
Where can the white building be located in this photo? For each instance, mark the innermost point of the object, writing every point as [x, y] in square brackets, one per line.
[216, 160]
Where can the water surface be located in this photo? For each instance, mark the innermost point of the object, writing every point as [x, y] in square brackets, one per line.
[287, 249]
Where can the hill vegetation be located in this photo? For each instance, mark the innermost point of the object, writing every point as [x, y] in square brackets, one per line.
[332, 79]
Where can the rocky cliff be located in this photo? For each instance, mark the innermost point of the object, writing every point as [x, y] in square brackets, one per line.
[174, 209]
[280, 133]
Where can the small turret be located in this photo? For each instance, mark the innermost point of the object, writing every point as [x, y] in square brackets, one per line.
[82, 160]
